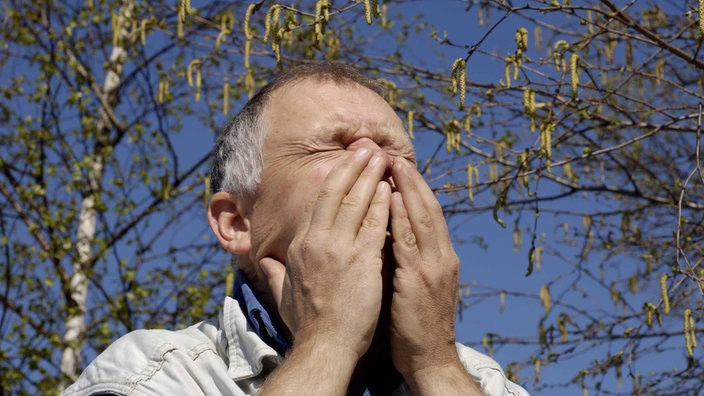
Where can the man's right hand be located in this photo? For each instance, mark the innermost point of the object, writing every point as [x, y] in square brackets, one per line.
[329, 291]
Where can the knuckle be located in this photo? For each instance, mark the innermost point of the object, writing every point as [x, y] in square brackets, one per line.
[425, 220]
[408, 238]
[350, 201]
[371, 223]
[325, 193]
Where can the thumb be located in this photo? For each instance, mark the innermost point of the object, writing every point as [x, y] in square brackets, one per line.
[275, 272]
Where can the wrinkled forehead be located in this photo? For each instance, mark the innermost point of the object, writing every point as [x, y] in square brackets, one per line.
[334, 107]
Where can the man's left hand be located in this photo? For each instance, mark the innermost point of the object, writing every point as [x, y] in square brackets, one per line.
[425, 288]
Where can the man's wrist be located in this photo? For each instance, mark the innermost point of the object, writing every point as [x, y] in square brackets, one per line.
[313, 364]
[448, 379]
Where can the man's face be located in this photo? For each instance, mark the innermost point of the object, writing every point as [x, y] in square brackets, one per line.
[311, 125]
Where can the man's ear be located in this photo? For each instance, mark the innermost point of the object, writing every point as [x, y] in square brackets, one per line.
[229, 221]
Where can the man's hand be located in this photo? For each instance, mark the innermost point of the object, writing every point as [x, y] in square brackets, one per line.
[329, 292]
[425, 287]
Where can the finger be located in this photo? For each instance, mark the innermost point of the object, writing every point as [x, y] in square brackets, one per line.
[275, 273]
[355, 206]
[404, 240]
[424, 211]
[335, 187]
[372, 233]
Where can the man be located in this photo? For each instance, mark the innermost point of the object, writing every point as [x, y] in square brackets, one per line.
[348, 279]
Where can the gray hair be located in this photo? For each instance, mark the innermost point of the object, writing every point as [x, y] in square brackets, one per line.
[238, 155]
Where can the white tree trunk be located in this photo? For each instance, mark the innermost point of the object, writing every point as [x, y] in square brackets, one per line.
[74, 332]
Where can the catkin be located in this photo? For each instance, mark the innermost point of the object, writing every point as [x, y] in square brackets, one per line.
[199, 81]
[545, 298]
[247, 50]
[507, 74]
[472, 180]
[663, 289]
[271, 21]
[689, 335]
[368, 12]
[163, 91]
[701, 17]
[409, 120]
[247, 16]
[459, 79]
[143, 31]
[522, 39]
[574, 74]
[225, 96]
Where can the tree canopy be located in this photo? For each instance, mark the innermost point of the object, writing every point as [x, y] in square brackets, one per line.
[577, 127]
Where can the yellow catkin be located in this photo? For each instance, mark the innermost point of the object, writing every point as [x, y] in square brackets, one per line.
[247, 51]
[384, 21]
[249, 83]
[206, 192]
[463, 83]
[271, 21]
[660, 70]
[115, 23]
[649, 309]
[375, 8]
[522, 39]
[526, 100]
[502, 300]
[368, 11]
[665, 297]
[318, 24]
[545, 298]
[143, 31]
[160, 92]
[220, 38]
[276, 44]
[472, 180]
[558, 52]
[531, 104]
[538, 257]
[247, 16]
[199, 81]
[546, 129]
[693, 332]
[507, 74]
[186, 4]
[409, 122]
[163, 87]
[574, 74]
[189, 71]
[701, 17]
[536, 367]
[459, 79]
[690, 341]
[225, 96]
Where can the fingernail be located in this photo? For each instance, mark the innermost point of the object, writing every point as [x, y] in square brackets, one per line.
[382, 186]
[361, 152]
[375, 161]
